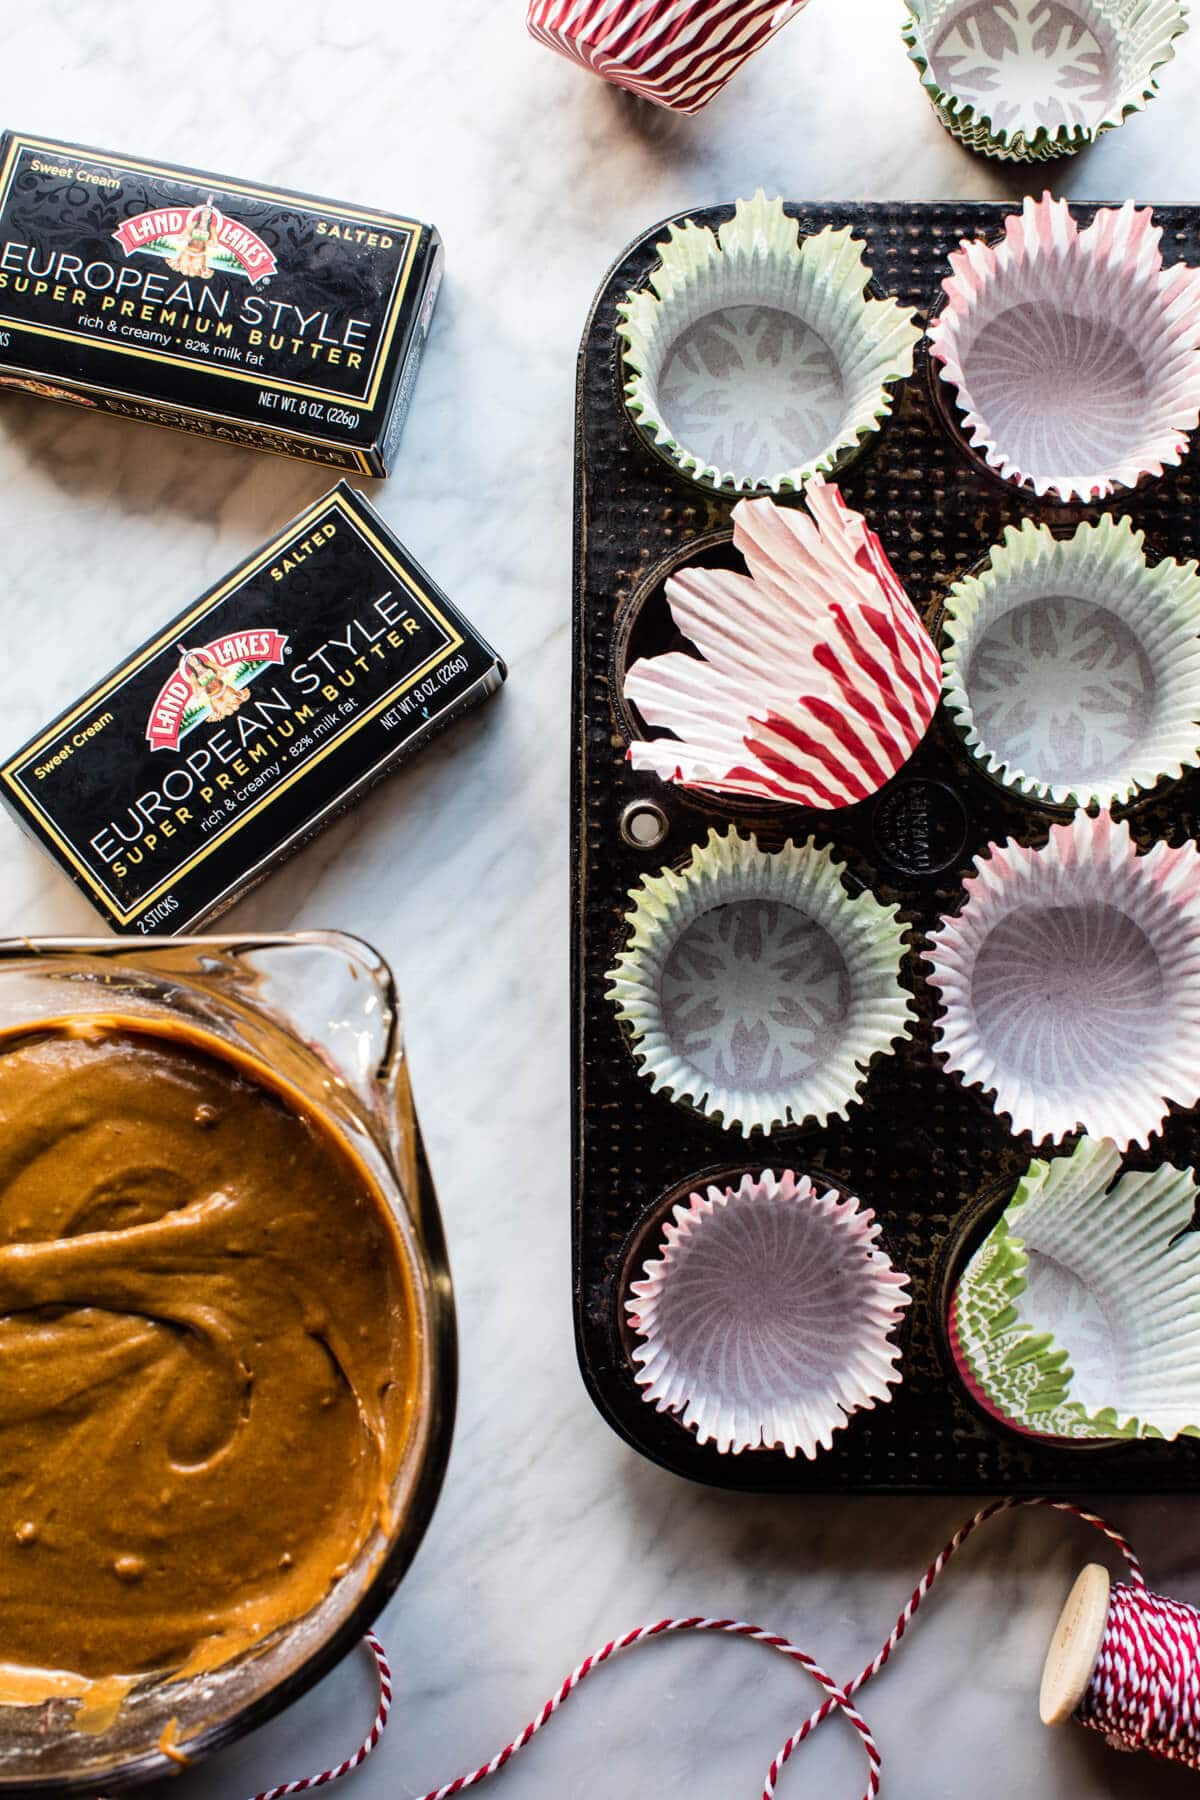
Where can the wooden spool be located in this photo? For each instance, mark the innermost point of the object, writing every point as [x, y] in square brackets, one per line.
[1075, 1646]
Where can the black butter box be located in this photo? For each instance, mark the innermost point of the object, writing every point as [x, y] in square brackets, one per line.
[250, 722]
[250, 314]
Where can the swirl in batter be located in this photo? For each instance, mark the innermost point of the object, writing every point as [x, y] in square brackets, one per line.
[207, 1358]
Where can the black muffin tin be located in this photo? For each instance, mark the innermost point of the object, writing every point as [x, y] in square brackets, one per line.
[930, 1156]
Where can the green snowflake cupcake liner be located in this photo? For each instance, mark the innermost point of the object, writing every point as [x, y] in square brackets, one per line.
[1072, 664]
[1079, 1315]
[754, 358]
[755, 988]
[1030, 80]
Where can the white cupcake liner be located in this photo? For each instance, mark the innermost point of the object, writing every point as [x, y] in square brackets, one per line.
[1027, 80]
[1079, 1315]
[816, 679]
[754, 359]
[1074, 354]
[766, 1321]
[1071, 982]
[1073, 664]
[755, 987]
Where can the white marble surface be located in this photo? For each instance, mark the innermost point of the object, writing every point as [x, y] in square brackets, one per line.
[550, 1535]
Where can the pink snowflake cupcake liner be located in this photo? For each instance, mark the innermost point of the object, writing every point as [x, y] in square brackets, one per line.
[675, 53]
[1074, 355]
[767, 1319]
[755, 988]
[1070, 982]
[816, 679]
[1029, 80]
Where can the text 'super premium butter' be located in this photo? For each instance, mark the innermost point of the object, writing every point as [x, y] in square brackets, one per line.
[250, 721]
[245, 313]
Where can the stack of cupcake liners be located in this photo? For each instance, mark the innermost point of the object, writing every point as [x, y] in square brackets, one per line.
[1031, 80]
[678, 54]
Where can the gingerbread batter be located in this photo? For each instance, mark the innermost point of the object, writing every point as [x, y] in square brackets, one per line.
[206, 1357]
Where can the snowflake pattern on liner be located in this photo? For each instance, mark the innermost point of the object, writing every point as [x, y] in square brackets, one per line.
[754, 994]
[1059, 684]
[1025, 63]
[751, 387]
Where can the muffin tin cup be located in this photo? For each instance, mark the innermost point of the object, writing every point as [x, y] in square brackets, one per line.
[1074, 354]
[918, 1145]
[1025, 82]
[1079, 1314]
[978, 1218]
[755, 987]
[768, 1317]
[1070, 982]
[1071, 664]
[755, 357]
[643, 628]
[813, 678]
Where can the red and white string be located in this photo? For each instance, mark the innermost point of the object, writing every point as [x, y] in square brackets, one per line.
[1144, 1693]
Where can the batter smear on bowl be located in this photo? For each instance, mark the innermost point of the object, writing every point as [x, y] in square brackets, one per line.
[207, 1358]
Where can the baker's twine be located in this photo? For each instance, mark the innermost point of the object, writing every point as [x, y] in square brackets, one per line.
[1144, 1692]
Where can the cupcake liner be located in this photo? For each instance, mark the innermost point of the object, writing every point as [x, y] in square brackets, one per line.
[1074, 354]
[766, 1321]
[1071, 982]
[816, 679]
[1027, 80]
[755, 987]
[1079, 1315]
[675, 53]
[1073, 664]
[754, 359]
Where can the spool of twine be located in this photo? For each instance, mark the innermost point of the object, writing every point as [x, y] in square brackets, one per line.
[1126, 1662]
[1123, 1661]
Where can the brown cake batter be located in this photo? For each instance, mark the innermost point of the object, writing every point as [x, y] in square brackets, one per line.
[206, 1357]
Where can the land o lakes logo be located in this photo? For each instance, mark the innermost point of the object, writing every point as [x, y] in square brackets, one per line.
[210, 683]
[198, 241]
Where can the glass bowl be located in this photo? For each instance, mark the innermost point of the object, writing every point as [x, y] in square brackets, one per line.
[319, 1009]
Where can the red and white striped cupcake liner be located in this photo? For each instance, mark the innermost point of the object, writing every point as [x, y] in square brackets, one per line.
[676, 53]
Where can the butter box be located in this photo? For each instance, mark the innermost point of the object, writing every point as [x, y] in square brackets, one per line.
[245, 313]
[250, 721]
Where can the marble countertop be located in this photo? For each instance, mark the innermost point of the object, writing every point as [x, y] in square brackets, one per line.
[551, 1535]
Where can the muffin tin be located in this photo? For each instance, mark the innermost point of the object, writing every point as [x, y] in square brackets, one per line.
[931, 1157]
